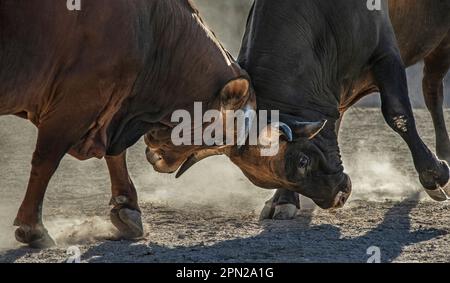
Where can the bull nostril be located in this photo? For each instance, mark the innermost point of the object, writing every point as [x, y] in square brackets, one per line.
[346, 185]
[341, 199]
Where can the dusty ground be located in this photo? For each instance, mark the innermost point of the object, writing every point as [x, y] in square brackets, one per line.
[211, 215]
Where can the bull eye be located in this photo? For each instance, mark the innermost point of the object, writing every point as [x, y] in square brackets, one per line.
[303, 164]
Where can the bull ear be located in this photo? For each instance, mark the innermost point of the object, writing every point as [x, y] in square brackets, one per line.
[234, 93]
[308, 130]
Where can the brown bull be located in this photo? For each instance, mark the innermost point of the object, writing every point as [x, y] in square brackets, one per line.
[95, 81]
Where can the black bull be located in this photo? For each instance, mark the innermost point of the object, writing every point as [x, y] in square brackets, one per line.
[312, 60]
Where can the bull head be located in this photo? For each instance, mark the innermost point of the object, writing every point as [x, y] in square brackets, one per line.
[167, 158]
[307, 162]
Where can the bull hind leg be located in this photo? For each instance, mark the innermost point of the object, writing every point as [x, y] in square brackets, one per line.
[126, 214]
[57, 134]
[437, 64]
[390, 75]
[51, 146]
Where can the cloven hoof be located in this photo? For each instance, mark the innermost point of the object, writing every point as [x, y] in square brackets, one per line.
[442, 193]
[278, 212]
[37, 238]
[128, 222]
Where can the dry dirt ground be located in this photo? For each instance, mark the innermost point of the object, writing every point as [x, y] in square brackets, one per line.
[211, 214]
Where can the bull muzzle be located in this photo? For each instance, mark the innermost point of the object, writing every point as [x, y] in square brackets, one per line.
[342, 193]
[152, 156]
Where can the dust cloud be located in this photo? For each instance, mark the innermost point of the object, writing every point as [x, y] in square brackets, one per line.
[213, 183]
[81, 230]
[76, 206]
[7, 214]
[375, 177]
[378, 161]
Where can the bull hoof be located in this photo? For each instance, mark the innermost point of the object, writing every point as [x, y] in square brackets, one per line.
[128, 222]
[278, 212]
[441, 193]
[35, 238]
[267, 211]
[285, 212]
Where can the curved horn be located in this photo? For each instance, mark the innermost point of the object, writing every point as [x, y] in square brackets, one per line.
[286, 131]
[307, 130]
[249, 118]
[197, 157]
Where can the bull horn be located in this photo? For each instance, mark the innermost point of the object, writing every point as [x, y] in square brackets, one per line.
[286, 131]
[249, 118]
[309, 130]
[301, 130]
[195, 158]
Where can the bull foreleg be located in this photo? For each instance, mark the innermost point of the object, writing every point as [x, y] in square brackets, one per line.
[126, 214]
[391, 79]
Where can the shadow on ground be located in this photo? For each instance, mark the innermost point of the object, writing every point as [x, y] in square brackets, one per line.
[299, 241]
[293, 241]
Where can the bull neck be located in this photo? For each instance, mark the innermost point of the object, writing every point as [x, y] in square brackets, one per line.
[301, 113]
